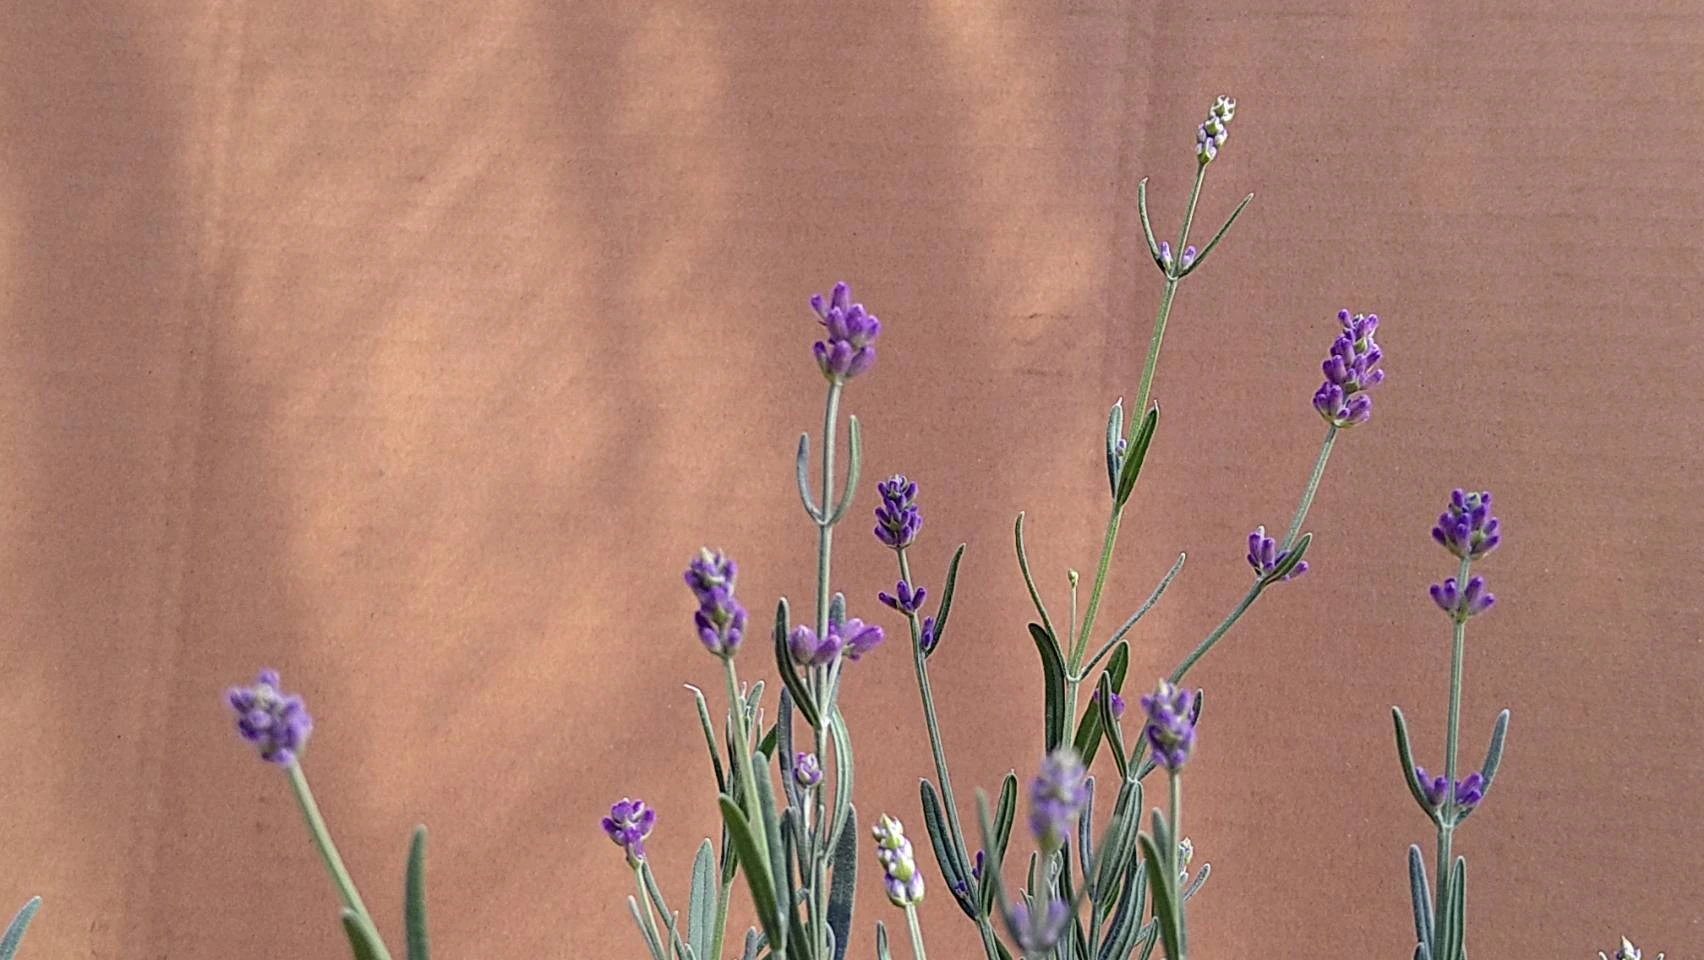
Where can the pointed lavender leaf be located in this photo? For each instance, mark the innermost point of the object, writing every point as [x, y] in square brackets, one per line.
[701, 903]
[15, 930]
[1053, 680]
[1420, 892]
[946, 601]
[843, 886]
[363, 941]
[953, 872]
[414, 899]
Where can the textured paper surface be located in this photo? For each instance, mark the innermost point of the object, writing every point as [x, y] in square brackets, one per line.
[413, 348]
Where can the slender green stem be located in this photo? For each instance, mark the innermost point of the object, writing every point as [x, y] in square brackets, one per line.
[741, 760]
[721, 928]
[321, 836]
[916, 931]
[1174, 856]
[653, 931]
[1080, 645]
[1312, 487]
[920, 661]
[1141, 408]
[1446, 815]
[1218, 632]
[825, 530]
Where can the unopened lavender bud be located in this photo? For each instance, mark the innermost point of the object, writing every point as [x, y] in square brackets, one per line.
[628, 825]
[1188, 256]
[904, 598]
[927, 639]
[852, 637]
[1461, 603]
[849, 344]
[275, 722]
[807, 770]
[1466, 528]
[900, 876]
[1224, 108]
[1264, 557]
[1166, 256]
[1117, 704]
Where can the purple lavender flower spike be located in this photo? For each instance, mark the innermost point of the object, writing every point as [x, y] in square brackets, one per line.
[720, 619]
[854, 638]
[628, 824]
[904, 598]
[1264, 557]
[850, 332]
[897, 518]
[1466, 528]
[1057, 796]
[1171, 724]
[1462, 603]
[275, 722]
[1037, 934]
[900, 876]
[1350, 370]
[1117, 704]
[807, 770]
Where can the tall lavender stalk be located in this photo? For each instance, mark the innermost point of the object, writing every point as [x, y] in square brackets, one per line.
[1469, 531]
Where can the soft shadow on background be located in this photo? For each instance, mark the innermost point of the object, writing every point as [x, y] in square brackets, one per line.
[413, 352]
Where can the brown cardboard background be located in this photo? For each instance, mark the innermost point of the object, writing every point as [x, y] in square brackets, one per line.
[413, 348]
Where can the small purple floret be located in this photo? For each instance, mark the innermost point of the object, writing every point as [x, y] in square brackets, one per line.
[807, 770]
[1038, 934]
[628, 824]
[1461, 603]
[275, 722]
[1117, 704]
[1264, 557]
[850, 332]
[904, 598]
[1469, 790]
[854, 638]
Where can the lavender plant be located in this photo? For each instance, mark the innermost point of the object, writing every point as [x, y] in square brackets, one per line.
[1469, 532]
[278, 725]
[1108, 900]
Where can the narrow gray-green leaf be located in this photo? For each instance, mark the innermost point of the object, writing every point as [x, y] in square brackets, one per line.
[882, 942]
[804, 470]
[364, 942]
[1005, 813]
[940, 840]
[765, 790]
[1199, 881]
[1053, 678]
[709, 737]
[1405, 756]
[1142, 611]
[946, 606]
[1493, 760]
[843, 773]
[789, 672]
[1135, 455]
[651, 943]
[15, 930]
[854, 462]
[754, 942]
[701, 902]
[760, 878]
[1029, 579]
[414, 900]
[1114, 433]
[670, 918]
[784, 749]
[1165, 908]
[1420, 892]
[1216, 238]
[844, 886]
[1291, 559]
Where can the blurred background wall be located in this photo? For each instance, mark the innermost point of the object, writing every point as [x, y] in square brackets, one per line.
[413, 348]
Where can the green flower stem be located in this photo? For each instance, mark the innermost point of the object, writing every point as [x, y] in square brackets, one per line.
[920, 661]
[742, 756]
[1174, 856]
[328, 850]
[825, 549]
[652, 931]
[1218, 632]
[825, 530]
[720, 933]
[1446, 814]
[1313, 486]
[916, 931]
[1074, 663]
